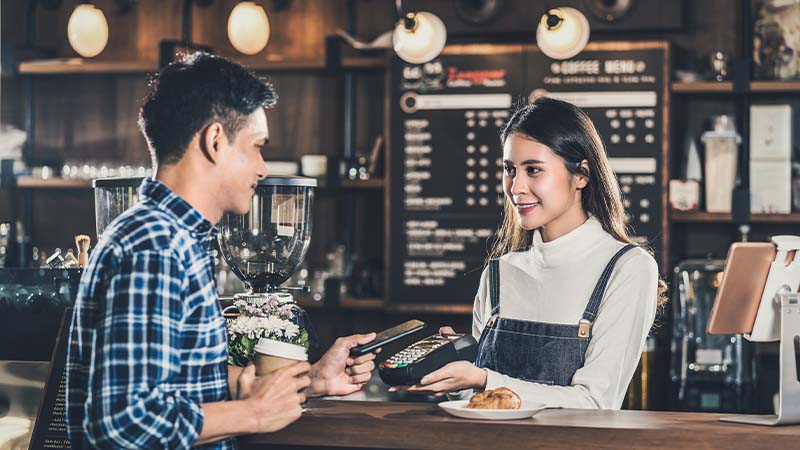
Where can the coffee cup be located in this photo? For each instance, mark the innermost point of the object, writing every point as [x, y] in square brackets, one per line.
[272, 355]
[314, 165]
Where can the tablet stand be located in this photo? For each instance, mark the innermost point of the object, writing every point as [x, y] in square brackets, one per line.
[779, 319]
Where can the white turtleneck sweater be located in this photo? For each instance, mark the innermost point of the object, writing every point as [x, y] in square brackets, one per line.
[552, 283]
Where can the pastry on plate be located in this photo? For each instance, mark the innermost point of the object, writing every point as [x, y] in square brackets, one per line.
[500, 398]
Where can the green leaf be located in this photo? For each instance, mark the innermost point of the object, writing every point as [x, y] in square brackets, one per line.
[240, 351]
[304, 339]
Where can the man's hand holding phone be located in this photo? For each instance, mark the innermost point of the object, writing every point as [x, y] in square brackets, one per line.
[339, 373]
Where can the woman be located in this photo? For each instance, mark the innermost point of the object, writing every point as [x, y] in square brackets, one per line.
[566, 302]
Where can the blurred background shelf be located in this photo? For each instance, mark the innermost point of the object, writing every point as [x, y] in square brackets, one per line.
[27, 182]
[374, 183]
[726, 87]
[362, 304]
[706, 217]
[775, 86]
[83, 66]
[52, 183]
[431, 308]
[702, 87]
[364, 63]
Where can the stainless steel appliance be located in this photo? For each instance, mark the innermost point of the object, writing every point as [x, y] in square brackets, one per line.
[710, 373]
[112, 196]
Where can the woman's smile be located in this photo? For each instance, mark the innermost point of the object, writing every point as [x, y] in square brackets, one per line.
[524, 209]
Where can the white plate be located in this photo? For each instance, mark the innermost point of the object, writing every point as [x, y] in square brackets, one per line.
[459, 408]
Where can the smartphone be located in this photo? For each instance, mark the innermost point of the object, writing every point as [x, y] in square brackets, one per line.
[389, 335]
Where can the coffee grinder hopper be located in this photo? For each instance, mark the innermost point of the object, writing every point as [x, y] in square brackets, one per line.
[266, 246]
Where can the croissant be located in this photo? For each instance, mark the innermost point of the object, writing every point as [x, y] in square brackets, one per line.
[500, 398]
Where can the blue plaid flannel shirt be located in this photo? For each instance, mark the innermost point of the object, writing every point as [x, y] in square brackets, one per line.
[147, 339]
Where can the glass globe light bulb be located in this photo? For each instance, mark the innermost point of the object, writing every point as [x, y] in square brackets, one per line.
[422, 42]
[248, 28]
[87, 30]
[563, 38]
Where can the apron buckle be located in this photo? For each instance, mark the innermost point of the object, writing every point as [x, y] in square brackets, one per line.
[492, 320]
[584, 327]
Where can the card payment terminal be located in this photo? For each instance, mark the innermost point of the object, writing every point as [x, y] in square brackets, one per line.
[423, 357]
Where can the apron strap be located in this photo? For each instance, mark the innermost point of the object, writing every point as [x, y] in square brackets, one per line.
[597, 295]
[494, 285]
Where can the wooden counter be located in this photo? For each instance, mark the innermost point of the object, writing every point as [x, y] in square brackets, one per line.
[426, 426]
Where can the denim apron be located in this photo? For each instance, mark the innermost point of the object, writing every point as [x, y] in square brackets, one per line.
[545, 353]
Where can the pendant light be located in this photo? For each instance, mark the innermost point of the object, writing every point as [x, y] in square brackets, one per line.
[562, 33]
[248, 28]
[418, 36]
[87, 30]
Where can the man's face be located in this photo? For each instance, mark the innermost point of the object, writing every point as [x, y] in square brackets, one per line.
[243, 164]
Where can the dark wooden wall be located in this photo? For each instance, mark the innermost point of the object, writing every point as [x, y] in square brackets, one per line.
[297, 32]
[81, 117]
[92, 117]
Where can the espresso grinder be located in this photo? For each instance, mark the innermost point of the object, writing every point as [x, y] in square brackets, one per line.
[264, 247]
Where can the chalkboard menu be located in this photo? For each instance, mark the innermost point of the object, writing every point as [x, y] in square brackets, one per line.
[622, 87]
[445, 176]
[50, 429]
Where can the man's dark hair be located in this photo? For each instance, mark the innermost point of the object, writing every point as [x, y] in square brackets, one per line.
[194, 92]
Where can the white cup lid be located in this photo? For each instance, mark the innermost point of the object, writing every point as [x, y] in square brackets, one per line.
[281, 349]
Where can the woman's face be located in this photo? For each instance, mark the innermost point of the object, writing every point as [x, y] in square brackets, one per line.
[538, 184]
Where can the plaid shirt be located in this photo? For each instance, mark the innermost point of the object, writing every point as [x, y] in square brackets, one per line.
[147, 339]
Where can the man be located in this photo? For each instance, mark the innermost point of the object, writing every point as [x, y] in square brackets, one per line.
[147, 359]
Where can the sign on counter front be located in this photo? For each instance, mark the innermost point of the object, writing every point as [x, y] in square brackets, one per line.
[445, 154]
[50, 428]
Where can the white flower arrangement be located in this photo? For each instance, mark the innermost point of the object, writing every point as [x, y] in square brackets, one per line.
[271, 316]
[258, 327]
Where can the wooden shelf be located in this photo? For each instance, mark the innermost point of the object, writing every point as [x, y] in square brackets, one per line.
[363, 304]
[52, 183]
[83, 66]
[364, 62]
[373, 183]
[706, 217]
[423, 308]
[90, 66]
[775, 86]
[267, 66]
[713, 87]
[702, 87]
[26, 182]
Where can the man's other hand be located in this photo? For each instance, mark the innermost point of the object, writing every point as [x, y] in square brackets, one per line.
[275, 399]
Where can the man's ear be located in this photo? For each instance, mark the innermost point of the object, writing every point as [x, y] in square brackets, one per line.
[582, 179]
[211, 139]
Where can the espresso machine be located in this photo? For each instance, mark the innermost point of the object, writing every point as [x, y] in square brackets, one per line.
[709, 373]
[265, 246]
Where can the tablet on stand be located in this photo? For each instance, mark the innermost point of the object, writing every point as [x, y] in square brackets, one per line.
[758, 298]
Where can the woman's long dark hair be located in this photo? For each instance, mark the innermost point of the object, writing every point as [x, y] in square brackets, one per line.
[569, 133]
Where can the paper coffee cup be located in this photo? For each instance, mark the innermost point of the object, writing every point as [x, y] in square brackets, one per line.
[314, 165]
[272, 355]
